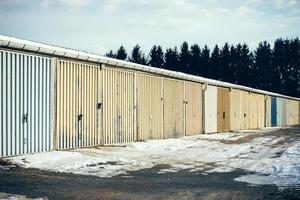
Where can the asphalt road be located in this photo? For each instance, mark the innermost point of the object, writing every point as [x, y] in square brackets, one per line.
[143, 184]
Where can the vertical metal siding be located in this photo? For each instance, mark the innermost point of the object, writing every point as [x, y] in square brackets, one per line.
[150, 107]
[235, 109]
[289, 112]
[193, 108]
[253, 111]
[25, 106]
[268, 112]
[76, 105]
[260, 111]
[279, 112]
[118, 106]
[284, 112]
[210, 120]
[245, 110]
[173, 108]
[298, 112]
[223, 110]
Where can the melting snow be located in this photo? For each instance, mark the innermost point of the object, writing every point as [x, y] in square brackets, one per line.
[271, 163]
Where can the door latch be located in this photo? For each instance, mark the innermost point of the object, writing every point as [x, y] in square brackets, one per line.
[25, 118]
[80, 116]
[99, 105]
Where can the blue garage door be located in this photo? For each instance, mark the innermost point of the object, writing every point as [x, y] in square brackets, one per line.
[273, 111]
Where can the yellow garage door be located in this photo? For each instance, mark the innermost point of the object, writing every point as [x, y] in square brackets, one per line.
[223, 110]
[78, 118]
[193, 108]
[150, 107]
[173, 108]
[118, 106]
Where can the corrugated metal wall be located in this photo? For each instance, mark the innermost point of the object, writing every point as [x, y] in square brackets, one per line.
[280, 104]
[268, 112]
[289, 112]
[294, 112]
[253, 111]
[284, 112]
[245, 110]
[193, 108]
[95, 106]
[260, 111]
[223, 110]
[77, 94]
[235, 109]
[210, 111]
[118, 106]
[25, 103]
[150, 107]
[174, 120]
[299, 112]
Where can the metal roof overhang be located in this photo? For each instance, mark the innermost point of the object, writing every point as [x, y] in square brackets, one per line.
[41, 48]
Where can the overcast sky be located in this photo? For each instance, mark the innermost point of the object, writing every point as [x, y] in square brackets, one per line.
[100, 25]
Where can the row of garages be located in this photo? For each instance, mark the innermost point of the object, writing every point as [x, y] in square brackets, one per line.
[52, 103]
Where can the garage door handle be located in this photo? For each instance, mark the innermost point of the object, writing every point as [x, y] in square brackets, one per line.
[80, 116]
[25, 118]
[224, 115]
[99, 105]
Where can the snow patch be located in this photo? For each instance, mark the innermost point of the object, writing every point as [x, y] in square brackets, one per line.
[264, 155]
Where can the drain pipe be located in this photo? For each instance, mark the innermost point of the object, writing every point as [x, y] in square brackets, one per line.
[203, 106]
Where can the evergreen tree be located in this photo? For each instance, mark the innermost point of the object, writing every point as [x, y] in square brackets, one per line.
[290, 67]
[235, 62]
[263, 66]
[225, 71]
[184, 58]
[156, 57]
[214, 70]
[195, 61]
[137, 56]
[171, 59]
[121, 53]
[293, 82]
[245, 68]
[111, 54]
[205, 56]
[278, 62]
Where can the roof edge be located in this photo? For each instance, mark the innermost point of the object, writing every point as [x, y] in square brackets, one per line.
[52, 50]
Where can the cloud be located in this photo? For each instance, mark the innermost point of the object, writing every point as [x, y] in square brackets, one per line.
[71, 4]
[100, 25]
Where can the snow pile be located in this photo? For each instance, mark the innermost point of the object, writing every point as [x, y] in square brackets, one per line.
[6, 196]
[282, 171]
[203, 154]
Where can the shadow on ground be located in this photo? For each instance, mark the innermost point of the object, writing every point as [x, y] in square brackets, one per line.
[143, 184]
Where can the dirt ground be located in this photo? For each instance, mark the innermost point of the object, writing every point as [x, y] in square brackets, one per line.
[144, 184]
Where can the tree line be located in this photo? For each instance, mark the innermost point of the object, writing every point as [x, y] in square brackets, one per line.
[274, 68]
